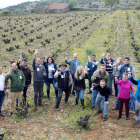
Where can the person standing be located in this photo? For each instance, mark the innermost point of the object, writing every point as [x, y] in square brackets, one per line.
[64, 81]
[137, 97]
[2, 94]
[116, 73]
[27, 73]
[51, 68]
[17, 86]
[104, 93]
[38, 78]
[80, 85]
[124, 68]
[97, 76]
[91, 67]
[124, 94]
[73, 64]
[109, 63]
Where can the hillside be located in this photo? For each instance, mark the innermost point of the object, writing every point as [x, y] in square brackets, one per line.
[96, 4]
[61, 35]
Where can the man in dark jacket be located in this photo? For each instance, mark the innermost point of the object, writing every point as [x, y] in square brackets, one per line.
[110, 63]
[64, 82]
[38, 78]
[104, 93]
[91, 67]
[17, 85]
[27, 73]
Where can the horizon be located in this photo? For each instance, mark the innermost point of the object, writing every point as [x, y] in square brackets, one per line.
[5, 3]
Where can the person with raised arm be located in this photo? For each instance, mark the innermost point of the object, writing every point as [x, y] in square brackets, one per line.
[104, 93]
[109, 63]
[51, 68]
[91, 67]
[27, 73]
[96, 77]
[73, 64]
[64, 82]
[124, 94]
[39, 73]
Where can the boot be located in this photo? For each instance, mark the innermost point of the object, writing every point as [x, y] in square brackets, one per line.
[76, 102]
[82, 103]
[56, 93]
[48, 94]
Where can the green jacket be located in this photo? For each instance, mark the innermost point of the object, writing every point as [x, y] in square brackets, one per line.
[17, 80]
[99, 77]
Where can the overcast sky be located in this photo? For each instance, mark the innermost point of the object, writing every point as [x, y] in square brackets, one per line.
[5, 3]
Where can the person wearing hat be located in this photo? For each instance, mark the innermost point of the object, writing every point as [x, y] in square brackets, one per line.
[73, 64]
[64, 81]
[27, 73]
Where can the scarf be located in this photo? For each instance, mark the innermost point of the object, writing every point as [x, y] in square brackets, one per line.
[63, 70]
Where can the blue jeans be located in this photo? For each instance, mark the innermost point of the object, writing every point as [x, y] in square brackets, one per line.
[110, 82]
[2, 95]
[89, 82]
[24, 95]
[51, 81]
[94, 95]
[80, 93]
[105, 107]
[117, 101]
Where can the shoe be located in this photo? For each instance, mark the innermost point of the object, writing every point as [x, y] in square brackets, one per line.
[35, 105]
[82, 103]
[48, 94]
[115, 108]
[10, 114]
[104, 118]
[57, 109]
[118, 118]
[2, 115]
[92, 107]
[41, 105]
[76, 102]
[127, 118]
[136, 122]
[98, 112]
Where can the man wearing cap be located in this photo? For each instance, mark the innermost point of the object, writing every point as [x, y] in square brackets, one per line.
[64, 81]
[73, 64]
[27, 73]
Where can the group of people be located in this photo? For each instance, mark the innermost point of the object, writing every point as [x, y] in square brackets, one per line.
[72, 81]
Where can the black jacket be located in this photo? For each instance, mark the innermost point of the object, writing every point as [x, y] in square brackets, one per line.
[103, 91]
[26, 72]
[63, 82]
[80, 83]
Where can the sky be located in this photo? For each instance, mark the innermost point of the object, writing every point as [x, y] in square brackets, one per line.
[5, 3]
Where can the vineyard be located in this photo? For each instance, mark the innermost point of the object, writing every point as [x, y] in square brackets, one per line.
[61, 35]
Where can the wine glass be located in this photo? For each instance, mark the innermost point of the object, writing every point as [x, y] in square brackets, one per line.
[46, 57]
[36, 50]
[88, 57]
[117, 60]
[20, 56]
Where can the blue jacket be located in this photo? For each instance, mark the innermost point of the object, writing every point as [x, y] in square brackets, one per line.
[91, 68]
[46, 67]
[136, 82]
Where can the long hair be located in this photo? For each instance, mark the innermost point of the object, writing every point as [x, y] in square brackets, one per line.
[51, 58]
[77, 72]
